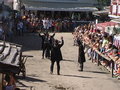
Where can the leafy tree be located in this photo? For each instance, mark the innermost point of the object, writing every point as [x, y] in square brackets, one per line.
[102, 3]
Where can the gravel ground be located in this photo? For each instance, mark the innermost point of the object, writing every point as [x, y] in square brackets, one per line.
[39, 78]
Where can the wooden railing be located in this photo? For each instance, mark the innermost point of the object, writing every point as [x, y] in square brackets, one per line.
[100, 56]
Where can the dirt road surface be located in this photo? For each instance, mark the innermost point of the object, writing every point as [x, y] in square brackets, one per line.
[38, 70]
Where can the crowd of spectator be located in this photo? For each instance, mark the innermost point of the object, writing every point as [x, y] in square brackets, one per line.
[99, 45]
[31, 23]
[19, 24]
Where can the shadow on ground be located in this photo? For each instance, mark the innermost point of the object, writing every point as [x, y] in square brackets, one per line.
[21, 84]
[31, 79]
[33, 75]
[99, 72]
[30, 41]
[68, 60]
[78, 76]
[24, 86]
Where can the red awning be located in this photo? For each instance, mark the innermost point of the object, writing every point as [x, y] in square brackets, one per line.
[102, 26]
[105, 24]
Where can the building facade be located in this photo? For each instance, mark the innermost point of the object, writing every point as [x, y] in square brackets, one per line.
[115, 9]
[61, 8]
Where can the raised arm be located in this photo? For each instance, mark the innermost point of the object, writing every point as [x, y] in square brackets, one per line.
[53, 35]
[62, 42]
[40, 35]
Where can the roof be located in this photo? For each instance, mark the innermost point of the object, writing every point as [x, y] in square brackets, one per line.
[62, 9]
[105, 11]
[105, 24]
[88, 2]
[116, 20]
[54, 5]
[114, 16]
[102, 12]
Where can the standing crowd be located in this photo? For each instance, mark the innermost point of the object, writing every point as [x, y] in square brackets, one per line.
[98, 45]
[18, 25]
[32, 23]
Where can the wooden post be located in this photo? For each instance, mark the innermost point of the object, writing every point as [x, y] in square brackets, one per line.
[98, 62]
[112, 68]
[1, 81]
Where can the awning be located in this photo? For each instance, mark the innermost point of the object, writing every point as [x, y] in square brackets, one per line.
[60, 9]
[116, 20]
[103, 12]
[105, 24]
[114, 16]
[102, 26]
[57, 6]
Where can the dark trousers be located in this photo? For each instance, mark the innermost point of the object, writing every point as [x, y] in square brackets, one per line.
[44, 48]
[43, 53]
[47, 54]
[81, 66]
[52, 66]
[20, 32]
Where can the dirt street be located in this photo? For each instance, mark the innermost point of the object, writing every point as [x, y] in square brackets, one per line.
[38, 70]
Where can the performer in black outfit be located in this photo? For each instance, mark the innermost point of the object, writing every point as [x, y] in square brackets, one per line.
[46, 41]
[56, 55]
[81, 55]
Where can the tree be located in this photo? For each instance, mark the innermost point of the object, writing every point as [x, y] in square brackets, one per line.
[102, 3]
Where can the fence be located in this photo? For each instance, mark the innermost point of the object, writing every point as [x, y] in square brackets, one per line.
[104, 60]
